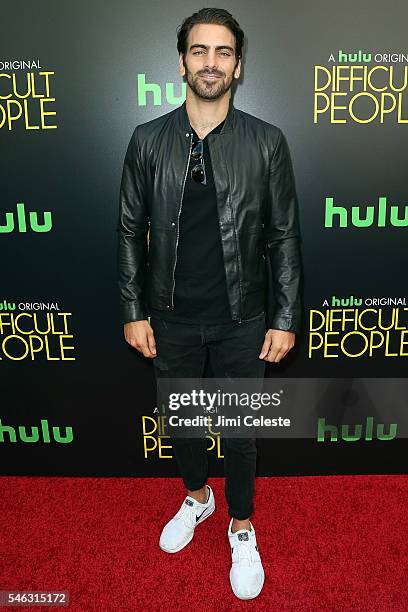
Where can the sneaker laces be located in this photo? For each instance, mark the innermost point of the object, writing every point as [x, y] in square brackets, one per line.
[245, 551]
[188, 515]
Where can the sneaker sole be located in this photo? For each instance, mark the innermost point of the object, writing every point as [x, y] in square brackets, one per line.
[248, 596]
[174, 550]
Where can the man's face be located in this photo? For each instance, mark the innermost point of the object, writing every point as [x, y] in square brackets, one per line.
[210, 63]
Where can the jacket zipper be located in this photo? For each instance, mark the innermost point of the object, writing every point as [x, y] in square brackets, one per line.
[236, 252]
[178, 218]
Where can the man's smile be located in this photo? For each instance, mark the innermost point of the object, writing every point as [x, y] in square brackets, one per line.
[210, 76]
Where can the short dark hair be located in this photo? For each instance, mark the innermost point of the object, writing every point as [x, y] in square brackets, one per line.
[210, 15]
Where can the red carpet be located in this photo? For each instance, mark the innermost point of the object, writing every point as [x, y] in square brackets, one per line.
[327, 543]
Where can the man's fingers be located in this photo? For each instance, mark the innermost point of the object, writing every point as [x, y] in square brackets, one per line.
[265, 347]
[281, 342]
[140, 344]
[275, 355]
[278, 352]
[145, 348]
[139, 334]
[151, 343]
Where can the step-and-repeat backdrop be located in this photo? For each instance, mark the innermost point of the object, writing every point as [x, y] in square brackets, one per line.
[75, 79]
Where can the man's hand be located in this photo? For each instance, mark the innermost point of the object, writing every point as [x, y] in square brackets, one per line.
[139, 334]
[276, 345]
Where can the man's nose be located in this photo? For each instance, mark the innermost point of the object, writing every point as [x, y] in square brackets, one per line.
[211, 60]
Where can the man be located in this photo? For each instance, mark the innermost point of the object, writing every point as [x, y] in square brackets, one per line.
[208, 213]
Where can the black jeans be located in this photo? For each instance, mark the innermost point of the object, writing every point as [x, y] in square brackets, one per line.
[232, 350]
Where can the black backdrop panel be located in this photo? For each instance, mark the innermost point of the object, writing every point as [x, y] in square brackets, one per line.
[93, 71]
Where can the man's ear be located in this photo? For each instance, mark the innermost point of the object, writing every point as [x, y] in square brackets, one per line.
[182, 70]
[237, 70]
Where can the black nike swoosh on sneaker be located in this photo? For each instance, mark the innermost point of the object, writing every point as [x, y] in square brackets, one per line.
[203, 512]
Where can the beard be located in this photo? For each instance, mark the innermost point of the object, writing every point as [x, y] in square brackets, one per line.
[206, 89]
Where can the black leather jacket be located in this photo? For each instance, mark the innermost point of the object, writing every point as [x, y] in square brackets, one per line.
[257, 209]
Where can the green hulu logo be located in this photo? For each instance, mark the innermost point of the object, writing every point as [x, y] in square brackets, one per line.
[19, 221]
[372, 216]
[4, 305]
[154, 88]
[36, 433]
[353, 436]
[353, 57]
[350, 301]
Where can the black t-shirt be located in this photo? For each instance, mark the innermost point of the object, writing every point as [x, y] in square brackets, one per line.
[200, 294]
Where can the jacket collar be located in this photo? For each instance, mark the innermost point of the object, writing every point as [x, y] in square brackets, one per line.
[183, 122]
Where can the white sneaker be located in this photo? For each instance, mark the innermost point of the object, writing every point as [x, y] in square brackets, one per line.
[179, 531]
[247, 575]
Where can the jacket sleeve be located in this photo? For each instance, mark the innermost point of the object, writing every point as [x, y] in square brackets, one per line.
[132, 228]
[282, 243]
